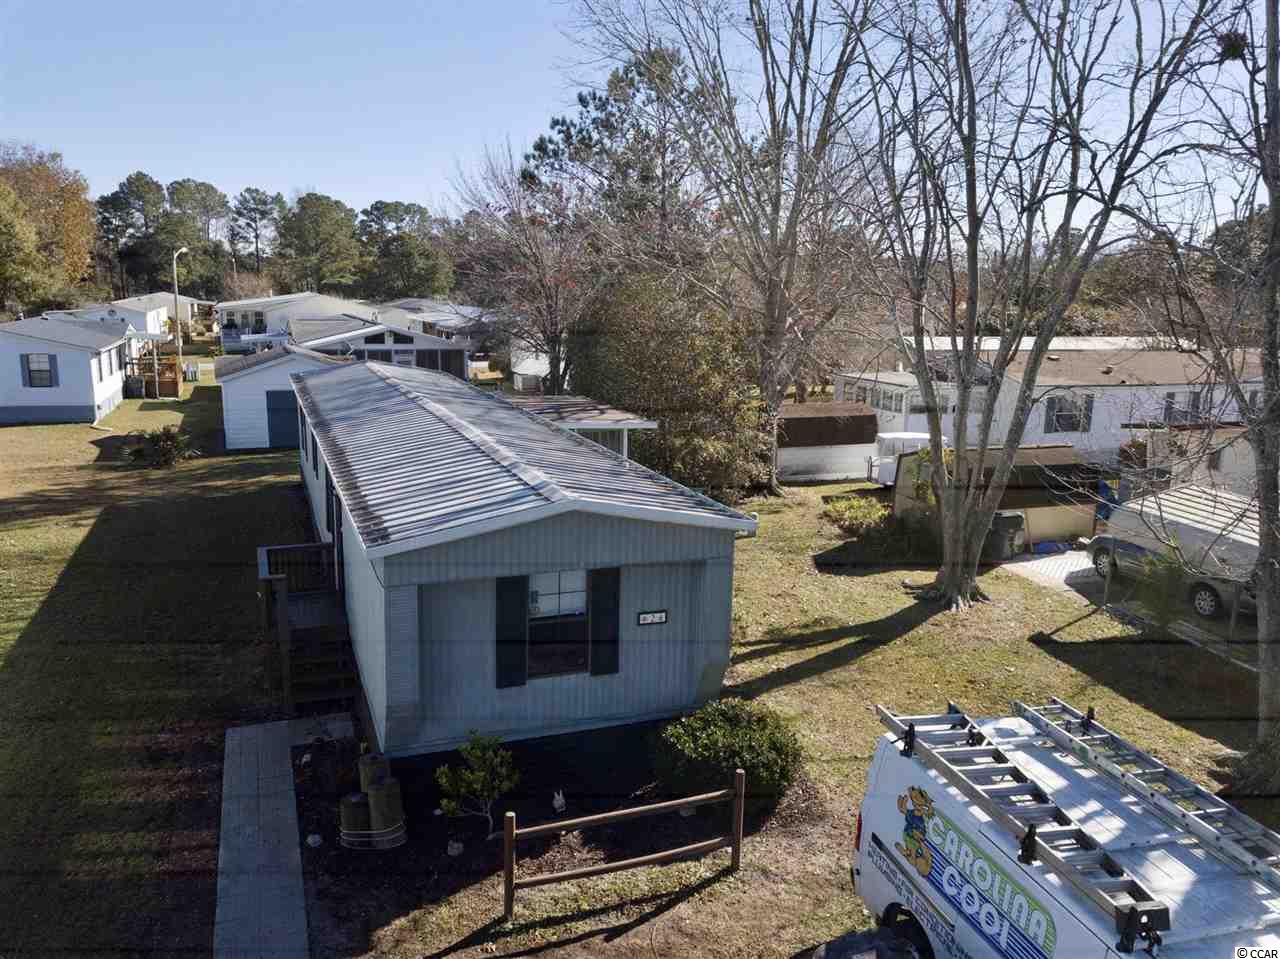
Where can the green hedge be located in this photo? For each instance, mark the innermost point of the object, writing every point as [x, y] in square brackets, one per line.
[700, 752]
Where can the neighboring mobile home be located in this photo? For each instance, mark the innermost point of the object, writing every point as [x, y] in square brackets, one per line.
[188, 306]
[143, 320]
[271, 314]
[500, 574]
[598, 422]
[1097, 400]
[56, 371]
[259, 410]
[383, 342]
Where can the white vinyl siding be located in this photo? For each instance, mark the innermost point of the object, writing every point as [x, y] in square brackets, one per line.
[244, 400]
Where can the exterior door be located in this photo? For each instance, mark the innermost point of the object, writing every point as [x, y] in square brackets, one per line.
[282, 418]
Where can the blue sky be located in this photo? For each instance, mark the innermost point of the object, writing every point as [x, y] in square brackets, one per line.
[380, 99]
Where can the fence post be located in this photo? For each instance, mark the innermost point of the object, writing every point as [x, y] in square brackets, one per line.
[739, 803]
[286, 641]
[509, 866]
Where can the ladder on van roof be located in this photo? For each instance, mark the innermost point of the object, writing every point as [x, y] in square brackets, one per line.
[1220, 826]
[952, 745]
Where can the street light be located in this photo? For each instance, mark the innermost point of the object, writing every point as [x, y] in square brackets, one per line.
[177, 314]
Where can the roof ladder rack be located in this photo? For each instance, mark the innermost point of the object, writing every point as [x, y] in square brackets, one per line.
[1193, 808]
[990, 779]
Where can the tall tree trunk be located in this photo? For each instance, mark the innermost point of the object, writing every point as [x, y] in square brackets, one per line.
[1266, 429]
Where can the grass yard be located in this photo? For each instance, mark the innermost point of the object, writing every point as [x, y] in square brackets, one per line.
[127, 645]
[823, 648]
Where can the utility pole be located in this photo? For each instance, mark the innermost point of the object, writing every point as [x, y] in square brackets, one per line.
[177, 317]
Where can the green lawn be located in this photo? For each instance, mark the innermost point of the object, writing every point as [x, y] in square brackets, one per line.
[823, 648]
[127, 645]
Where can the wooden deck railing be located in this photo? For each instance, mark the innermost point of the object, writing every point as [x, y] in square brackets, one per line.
[736, 795]
[306, 567]
[283, 571]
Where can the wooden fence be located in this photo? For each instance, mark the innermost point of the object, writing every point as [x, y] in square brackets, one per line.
[736, 795]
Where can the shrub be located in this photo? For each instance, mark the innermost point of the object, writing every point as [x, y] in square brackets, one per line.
[699, 753]
[161, 448]
[1162, 589]
[857, 515]
[472, 789]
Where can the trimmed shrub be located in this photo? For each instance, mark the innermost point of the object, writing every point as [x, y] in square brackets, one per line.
[857, 515]
[700, 752]
[473, 788]
[161, 448]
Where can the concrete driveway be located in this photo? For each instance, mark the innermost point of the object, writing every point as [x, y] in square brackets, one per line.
[1070, 573]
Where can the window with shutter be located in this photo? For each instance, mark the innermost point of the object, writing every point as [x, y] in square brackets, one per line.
[511, 630]
[558, 641]
[39, 367]
[604, 615]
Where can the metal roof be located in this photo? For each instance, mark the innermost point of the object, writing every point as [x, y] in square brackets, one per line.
[79, 334]
[420, 458]
[309, 329]
[225, 367]
[256, 300]
[1206, 508]
[579, 411]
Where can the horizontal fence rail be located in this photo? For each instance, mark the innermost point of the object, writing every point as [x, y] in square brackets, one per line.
[736, 795]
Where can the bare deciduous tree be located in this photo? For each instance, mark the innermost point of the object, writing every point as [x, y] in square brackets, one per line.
[763, 109]
[530, 257]
[1006, 138]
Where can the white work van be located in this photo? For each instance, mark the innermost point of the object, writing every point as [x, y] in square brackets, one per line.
[1042, 834]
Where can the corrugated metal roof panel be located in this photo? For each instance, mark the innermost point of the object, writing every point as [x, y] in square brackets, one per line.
[1205, 508]
[420, 456]
[87, 336]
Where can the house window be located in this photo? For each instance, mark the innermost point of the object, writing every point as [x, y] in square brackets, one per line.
[302, 431]
[557, 623]
[401, 338]
[97, 366]
[121, 356]
[315, 457]
[860, 394]
[376, 338]
[1067, 413]
[259, 322]
[39, 370]
[552, 624]
[381, 356]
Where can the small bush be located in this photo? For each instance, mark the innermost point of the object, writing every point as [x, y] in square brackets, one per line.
[857, 515]
[699, 753]
[1162, 589]
[161, 448]
[472, 789]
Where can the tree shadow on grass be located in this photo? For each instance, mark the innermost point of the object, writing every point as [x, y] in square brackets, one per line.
[129, 657]
[1173, 679]
[856, 640]
[493, 933]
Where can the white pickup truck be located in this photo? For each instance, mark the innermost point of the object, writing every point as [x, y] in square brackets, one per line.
[1041, 834]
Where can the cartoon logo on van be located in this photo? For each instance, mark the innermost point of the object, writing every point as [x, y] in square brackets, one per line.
[917, 808]
[999, 908]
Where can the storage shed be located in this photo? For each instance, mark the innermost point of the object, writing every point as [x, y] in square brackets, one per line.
[825, 441]
[501, 574]
[1049, 485]
[258, 406]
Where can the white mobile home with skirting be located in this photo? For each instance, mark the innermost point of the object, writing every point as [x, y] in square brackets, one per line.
[54, 371]
[504, 575]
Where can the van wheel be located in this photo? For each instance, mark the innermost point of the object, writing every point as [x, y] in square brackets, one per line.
[1103, 564]
[906, 926]
[1206, 601]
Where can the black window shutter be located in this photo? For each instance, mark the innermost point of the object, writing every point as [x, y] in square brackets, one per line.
[1051, 414]
[604, 614]
[1086, 419]
[53, 369]
[328, 501]
[512, 619]
[26, 370]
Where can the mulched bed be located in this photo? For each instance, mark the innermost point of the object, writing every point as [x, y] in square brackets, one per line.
[352, 894]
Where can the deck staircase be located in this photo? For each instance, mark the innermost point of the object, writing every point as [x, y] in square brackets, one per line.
[303, 615]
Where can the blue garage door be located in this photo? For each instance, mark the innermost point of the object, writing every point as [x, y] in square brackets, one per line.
[282, 418]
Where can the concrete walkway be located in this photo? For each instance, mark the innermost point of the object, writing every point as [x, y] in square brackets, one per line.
[262, 909]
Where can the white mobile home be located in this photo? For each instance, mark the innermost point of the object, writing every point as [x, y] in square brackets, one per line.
[383, 342]
[598, 422]
[1097, 400]
[271, 314]
[143, 320]
[501, 574]
[259, 410]
[188, 306]
[54, 371]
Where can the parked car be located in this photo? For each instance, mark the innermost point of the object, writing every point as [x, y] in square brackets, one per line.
[1214, 533]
